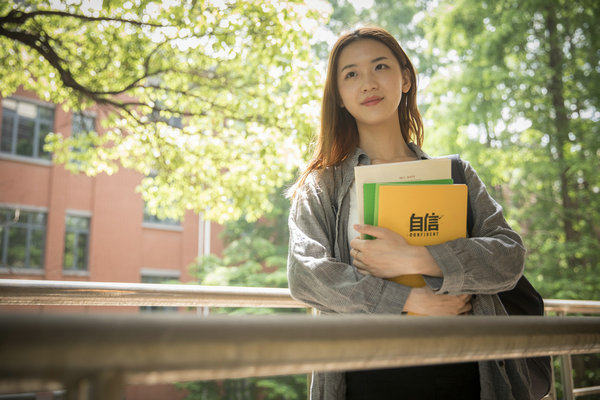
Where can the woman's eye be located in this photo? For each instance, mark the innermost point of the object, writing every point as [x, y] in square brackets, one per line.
[351, 74]
[380, 66]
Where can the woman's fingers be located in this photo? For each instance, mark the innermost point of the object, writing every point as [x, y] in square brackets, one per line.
[424, 301]
[374, 231]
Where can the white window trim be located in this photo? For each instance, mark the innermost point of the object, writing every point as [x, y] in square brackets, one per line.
[162, 227]
[167, 273]
[26, 160]
[34, 101]
[24, 207]
[70, 272]
[78, 213]
[22, 271]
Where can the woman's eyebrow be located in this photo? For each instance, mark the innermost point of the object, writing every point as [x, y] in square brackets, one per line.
[372, 62]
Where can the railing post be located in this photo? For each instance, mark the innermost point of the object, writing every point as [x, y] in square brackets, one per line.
[566, 370]
[552, 394]
[566, 373]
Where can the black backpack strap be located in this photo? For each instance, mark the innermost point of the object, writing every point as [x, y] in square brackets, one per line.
[458, 176]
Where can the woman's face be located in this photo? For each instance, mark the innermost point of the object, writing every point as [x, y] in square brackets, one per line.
[370, 82]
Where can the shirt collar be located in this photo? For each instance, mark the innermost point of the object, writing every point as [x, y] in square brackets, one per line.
[360, 157]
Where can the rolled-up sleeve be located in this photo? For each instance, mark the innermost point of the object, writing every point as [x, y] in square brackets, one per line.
[488, 262]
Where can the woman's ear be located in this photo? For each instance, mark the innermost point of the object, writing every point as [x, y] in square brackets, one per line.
[406, 84]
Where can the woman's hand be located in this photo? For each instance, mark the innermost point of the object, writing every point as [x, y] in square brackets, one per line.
[389, 255]
[424, 301]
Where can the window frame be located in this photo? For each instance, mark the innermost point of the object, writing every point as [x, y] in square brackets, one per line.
[78, 232]
[153, 222]
[37, 147]
[82, 115]
[30, 226]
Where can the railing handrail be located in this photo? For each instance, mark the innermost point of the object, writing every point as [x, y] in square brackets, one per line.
[47, 292]
[572, 306]
[179, 347]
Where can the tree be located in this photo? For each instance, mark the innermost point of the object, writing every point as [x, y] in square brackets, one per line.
[517, 90]
[211, 100]
[290, 387]
[532, 68]
[255, 255]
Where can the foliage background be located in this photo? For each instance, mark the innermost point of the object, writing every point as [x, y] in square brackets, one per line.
[512, 86]
[210, 100]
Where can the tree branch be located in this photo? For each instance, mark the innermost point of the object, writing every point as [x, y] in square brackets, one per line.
[20, 17]
[42, 43]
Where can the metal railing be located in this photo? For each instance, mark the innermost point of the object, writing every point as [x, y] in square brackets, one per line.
[562, 308]
[105, 351]
[30, 292]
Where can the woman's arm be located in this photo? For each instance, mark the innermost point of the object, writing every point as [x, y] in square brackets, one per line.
[316, 275]
[492, 259]
[319, 279]
[489, 262]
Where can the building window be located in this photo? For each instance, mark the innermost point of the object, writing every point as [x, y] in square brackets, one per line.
[24, 128]
[77, 243]
[164, 222]
[159, 276]
[172, 121]
[82, 123]
[22, 238]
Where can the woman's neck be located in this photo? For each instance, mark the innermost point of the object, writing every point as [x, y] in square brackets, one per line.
[384, 144]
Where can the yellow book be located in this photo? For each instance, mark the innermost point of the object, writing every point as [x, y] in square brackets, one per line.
[423, 215]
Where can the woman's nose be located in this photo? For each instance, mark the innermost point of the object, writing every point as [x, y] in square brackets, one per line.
[369, 83]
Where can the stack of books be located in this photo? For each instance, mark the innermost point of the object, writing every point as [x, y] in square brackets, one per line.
[416, 199]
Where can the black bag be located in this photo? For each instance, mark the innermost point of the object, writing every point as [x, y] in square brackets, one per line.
[523, 299]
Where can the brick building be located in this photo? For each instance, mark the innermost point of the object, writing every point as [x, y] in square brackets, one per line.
[55, 225]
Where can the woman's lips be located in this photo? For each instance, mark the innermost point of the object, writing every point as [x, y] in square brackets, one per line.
[371, 101]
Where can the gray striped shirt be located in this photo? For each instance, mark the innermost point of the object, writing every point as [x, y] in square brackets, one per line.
[320, 273]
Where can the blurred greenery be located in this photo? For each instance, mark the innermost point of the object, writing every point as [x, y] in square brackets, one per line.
[291, 387]
[512, 86]
[213, 101]
[255, 255]
[516, 93]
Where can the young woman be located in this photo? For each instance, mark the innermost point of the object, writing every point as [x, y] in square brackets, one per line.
[370, 115]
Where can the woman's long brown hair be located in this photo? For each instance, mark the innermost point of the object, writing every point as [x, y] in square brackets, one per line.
[338, 137]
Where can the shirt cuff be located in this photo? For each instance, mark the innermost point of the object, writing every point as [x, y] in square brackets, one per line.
[452, 269]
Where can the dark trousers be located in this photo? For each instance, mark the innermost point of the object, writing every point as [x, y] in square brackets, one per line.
[435, 382]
